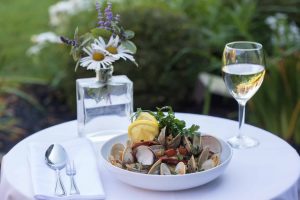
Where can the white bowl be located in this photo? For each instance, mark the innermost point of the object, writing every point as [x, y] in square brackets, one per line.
[163, 182]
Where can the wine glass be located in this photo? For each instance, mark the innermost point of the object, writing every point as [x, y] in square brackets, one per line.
[243, 70]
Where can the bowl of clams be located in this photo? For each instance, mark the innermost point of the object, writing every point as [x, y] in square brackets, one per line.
[160, 153]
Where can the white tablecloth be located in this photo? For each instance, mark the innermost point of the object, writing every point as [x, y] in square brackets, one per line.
[270, 171]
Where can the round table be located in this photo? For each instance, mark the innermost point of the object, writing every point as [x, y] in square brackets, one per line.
[269, 171]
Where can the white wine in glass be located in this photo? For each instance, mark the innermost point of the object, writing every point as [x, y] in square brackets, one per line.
[243, 73]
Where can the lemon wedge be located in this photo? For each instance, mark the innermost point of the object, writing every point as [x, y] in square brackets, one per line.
[143, 130]
[146, 116]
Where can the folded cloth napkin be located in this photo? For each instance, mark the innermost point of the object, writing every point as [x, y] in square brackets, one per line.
[87, 176]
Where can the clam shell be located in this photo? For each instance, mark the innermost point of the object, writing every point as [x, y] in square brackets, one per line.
[155, 168]
[212, 142]
[211, 163]
[164, 169]
[197, 141]
[180, 168]
[173, 143]
[191, 165]
[117, 151]
[162, 136]
[158, 150]
[187, 143]
[144, 155]
[127, 156]
[203, 157]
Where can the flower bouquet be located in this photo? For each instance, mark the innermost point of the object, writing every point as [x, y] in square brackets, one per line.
[106, 97]
[99, 54]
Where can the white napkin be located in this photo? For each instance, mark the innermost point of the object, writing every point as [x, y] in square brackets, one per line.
[87, 177]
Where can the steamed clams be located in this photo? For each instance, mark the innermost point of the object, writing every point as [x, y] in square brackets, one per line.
[190, 155]
[161, 144]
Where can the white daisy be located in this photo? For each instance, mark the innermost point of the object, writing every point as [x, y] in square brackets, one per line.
[115, 48]
[98, 58]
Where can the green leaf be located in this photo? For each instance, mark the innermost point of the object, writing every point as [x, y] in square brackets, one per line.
[86, 38]
[136, 114]
[129, 45]
[76, 34]
[193, 129]
[99, 32]
[180, 157]
[116, 28]
[76, 66]
[129, 34]
[75, 52]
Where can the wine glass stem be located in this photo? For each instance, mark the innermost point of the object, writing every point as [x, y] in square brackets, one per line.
[242, 106]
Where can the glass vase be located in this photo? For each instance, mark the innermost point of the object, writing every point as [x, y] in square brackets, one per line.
[104, 104]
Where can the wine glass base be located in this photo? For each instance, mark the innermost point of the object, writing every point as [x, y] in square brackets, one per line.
[242, 142]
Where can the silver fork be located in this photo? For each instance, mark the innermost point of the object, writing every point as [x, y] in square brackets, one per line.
[71, 171]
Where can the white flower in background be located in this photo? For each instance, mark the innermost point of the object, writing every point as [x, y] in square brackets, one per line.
[60, 11]
[284, 33]
[115, 48]
[41, 40]
[273, 21]
[295, 30]
[34, 50]
[46, 37]
[98, 58]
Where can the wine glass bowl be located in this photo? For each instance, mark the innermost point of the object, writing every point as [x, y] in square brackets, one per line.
[243, 69]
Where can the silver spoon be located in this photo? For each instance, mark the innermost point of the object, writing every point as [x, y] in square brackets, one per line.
[56, 158]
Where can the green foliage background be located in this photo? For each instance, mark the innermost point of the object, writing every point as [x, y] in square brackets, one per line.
[177, 39]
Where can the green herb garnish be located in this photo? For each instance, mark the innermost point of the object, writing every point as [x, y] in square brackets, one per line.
[166, 118]
[180, 157]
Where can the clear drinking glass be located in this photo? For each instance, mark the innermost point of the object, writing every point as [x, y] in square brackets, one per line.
[243, 70]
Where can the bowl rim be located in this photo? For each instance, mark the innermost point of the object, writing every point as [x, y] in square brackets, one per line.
[223, 164]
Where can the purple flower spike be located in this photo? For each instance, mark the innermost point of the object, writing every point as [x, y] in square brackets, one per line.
[98, 6]
[100, 16]
[105, 19]
[68, 41]
[107, 25]
[108, 12]
[101, 25]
